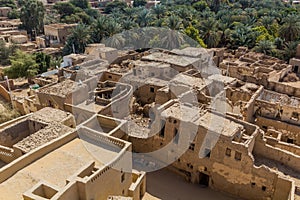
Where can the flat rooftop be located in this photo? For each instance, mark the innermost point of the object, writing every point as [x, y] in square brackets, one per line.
[56, 167]
[61, 89]
[49, 115]
[76, 56]
[182, 61]
[191, 81]
[60, 25]
[41, 137]
[186, 113]
[140, 63]
[201, 117]
[219, 124]
[220, 78]
[192, 52]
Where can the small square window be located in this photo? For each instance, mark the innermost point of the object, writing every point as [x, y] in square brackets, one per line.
[192, 146]
[238, 156]
[228, 152]
[263, 188]
[253, 184]
[110, 77]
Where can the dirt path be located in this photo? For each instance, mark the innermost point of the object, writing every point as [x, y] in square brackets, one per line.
[166, 185]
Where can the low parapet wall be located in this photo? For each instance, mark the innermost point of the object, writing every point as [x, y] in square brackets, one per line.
[21, 162]
[4, 93]
[6, 154]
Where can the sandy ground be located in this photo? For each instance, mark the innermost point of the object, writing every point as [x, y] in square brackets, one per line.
[166, 185]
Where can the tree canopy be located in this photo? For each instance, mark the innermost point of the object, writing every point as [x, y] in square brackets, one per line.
[32, 16]
[262, 25]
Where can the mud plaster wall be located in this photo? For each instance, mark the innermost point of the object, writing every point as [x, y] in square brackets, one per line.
[292, 130]
[47, 100]
[10, 169]
[248, 112]
[11, 135]
[227, 173]
[284, 89]
[288, 159]
[108, 76]
[80, 115]
[4, 93]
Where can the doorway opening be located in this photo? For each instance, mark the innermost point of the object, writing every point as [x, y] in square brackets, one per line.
[203, 179]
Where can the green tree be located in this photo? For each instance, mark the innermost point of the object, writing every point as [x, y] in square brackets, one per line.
[144, 18]
[32, 16]
[290, 30]
[14, 14]
[265, 46]
[193, 33]
[8, 3]
[159, 11]
[289, 50]
[174, 22]
[64, 8]
[121, 5]
[138, 3]
[80, 3]
[104, 27]
[263, 34]
[43, 60]
[242, 36]
[6, 52]
[209, 32]
[200, 5]
[22, 65]
[78, 40]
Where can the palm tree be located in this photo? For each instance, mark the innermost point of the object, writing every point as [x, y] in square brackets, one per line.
[289, 50]
[265, 46]
[174, 22]
[112, 28]
[98, 29]
[144, 18]
[267, 21]
[116, 41]
[159, 22]
[172, 39]
[290, 30]
[159, 11]
[209, 32]
[128, 24]
[242, 36]
[225, 30]
[78, 40]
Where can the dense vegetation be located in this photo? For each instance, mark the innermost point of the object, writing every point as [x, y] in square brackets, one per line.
[268, 26]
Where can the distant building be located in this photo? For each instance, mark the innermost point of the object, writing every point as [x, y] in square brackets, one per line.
[56, 34]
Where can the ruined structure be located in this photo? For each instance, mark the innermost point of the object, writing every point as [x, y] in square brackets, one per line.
[56, 34]
[233, 127]
[57, 164]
